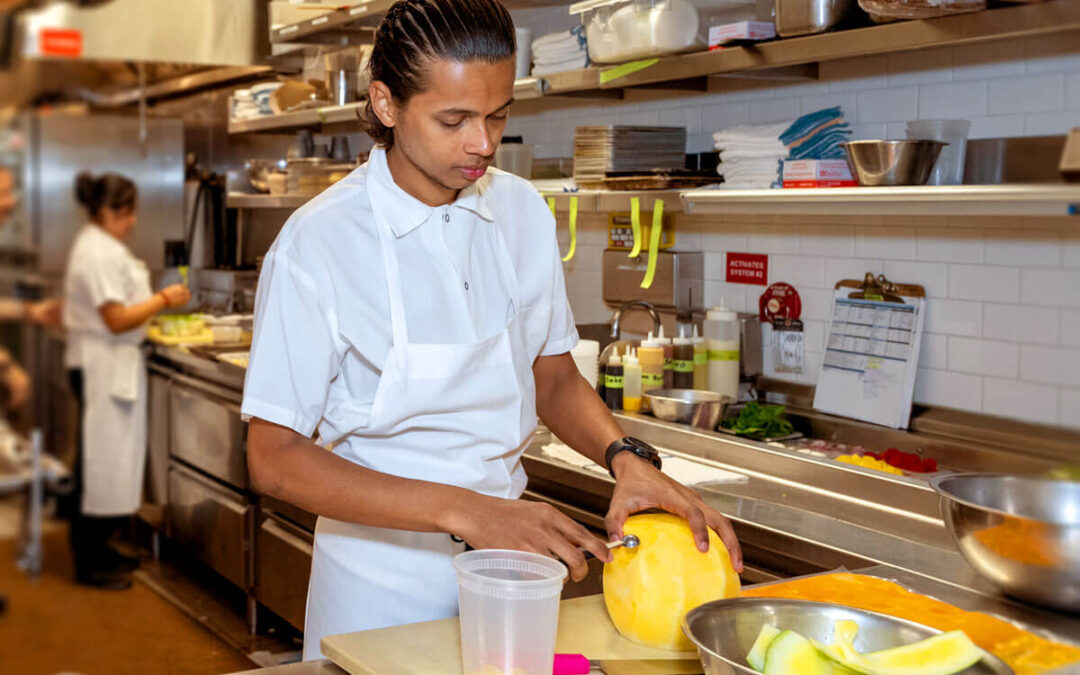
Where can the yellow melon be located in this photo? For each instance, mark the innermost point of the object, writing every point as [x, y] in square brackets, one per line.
[648, 590]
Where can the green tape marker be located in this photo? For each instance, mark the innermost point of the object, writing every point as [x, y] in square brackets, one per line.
[635, 225]
[654, 243]
[612, 74]
[573, 230]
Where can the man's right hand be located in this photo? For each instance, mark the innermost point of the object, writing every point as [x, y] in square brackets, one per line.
[177, 295]
[490, 522]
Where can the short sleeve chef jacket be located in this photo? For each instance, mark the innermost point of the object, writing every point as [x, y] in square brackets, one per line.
[100, 270]
[322, 318]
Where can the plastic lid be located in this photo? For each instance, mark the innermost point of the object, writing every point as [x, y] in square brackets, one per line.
[697, 338]
[615, 360]
[683, 341]
[721, 314]
[631, 358]
[661, 339]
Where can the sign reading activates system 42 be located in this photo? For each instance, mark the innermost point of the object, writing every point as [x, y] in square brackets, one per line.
[748, 268]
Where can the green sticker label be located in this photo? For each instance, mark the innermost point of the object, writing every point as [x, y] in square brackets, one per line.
[683, 366]
[701, 357]
[715, 355]
[613, 381]
[669, 364]
[651, 380]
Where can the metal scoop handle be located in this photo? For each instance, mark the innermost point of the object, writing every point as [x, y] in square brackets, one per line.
[629, 541]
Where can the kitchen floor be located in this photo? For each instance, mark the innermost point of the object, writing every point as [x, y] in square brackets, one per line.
[52, 626]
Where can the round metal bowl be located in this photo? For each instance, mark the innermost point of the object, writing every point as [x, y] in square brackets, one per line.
[724, 631]
[259, 170]
[879, 163]
[1020, 533]
[701, 409]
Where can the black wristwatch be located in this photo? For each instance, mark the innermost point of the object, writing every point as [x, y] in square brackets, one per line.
[638, 447]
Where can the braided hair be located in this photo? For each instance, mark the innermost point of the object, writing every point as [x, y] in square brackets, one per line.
[415, 32]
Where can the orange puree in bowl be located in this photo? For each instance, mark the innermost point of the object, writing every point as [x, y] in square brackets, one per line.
[1025, 652]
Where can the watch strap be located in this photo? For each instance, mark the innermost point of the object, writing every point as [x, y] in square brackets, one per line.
[632, 445]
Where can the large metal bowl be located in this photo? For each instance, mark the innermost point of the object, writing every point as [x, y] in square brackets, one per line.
[879, 163]
[259, 170]
[724, 631]
[1021, 533]
[701, 409]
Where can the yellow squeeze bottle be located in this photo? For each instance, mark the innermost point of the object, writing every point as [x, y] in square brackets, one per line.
[651, 356]
[631, 382]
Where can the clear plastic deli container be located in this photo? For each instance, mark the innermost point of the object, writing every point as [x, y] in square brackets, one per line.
[949, 169]
[509, 605]
[626, 30]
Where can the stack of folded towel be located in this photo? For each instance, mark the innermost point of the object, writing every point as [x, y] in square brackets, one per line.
[751, 156]
[557, 52]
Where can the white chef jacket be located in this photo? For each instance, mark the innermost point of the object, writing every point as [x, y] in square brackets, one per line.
[322, 318]
[101, 269]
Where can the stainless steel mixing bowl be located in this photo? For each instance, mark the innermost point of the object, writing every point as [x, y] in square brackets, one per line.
[724, 631]
[1021, 533]
[259, 170]
[879, 163]
[698, 408]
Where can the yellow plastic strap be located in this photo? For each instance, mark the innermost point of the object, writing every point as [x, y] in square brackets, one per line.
[635, 224]
[654, 243]
[551, 205]
[625, 69]
[573, 230]
[183, 269]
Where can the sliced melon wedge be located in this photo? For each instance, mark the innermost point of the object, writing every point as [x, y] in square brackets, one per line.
[939, 655]
[756, 657]
[792, 654]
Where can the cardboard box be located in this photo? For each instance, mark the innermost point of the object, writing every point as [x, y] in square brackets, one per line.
[743, 31]
[817, 173]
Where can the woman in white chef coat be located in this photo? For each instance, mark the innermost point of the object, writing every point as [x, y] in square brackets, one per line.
[107, 302]
[414, 315]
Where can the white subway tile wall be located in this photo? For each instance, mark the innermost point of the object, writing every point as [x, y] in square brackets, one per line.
[1003, 316]
[1006, 320]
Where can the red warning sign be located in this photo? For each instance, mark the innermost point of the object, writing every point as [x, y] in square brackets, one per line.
[63, 42]
[748, 268]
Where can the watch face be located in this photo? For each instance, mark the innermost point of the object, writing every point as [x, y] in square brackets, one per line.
[642, 448]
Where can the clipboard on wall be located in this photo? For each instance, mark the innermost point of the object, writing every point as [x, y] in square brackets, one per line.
[872, 351]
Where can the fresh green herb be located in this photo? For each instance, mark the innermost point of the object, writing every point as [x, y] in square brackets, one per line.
[760, 421]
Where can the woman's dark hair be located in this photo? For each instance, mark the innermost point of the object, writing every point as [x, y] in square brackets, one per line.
[415, 32]
[109, 189]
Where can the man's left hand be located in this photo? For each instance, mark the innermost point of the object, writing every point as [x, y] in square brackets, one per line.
[640, 486]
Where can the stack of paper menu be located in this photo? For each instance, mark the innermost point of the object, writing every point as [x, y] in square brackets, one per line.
[871, 355]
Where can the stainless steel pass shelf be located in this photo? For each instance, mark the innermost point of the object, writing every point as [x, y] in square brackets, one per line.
[337, 115]
[244, 200]
[959, 200]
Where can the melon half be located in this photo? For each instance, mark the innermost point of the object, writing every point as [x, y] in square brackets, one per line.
[648, 590]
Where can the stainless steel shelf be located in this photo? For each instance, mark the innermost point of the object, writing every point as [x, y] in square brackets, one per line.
[244, 200]
[346, 115]
[352, 24]
[966, 200]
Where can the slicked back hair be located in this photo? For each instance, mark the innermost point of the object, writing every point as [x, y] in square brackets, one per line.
[416, 32]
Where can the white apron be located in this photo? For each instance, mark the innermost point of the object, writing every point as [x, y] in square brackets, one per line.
[457, 414]
[114, 418]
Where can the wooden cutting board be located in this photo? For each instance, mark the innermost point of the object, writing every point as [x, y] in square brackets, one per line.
[434, 647]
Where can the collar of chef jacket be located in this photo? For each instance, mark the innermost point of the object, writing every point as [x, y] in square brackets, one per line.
[404, 212]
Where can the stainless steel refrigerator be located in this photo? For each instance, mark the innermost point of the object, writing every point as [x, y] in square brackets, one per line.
[56, 147]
